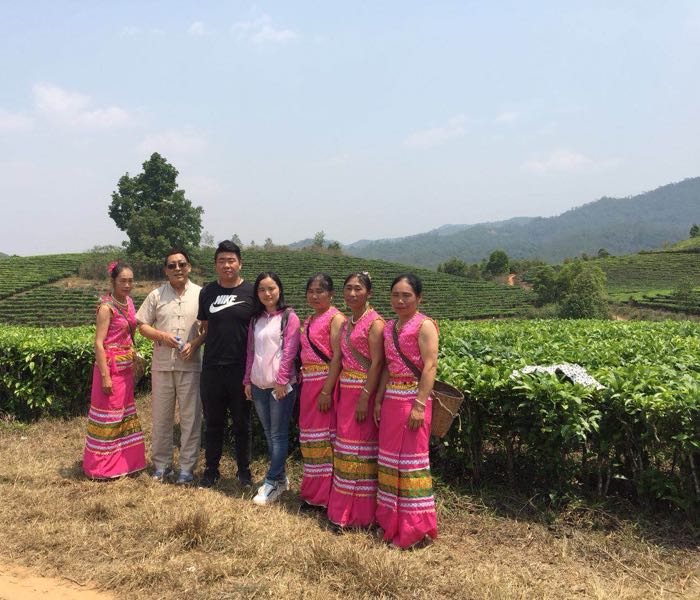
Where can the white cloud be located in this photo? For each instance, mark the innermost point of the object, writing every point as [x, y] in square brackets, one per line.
[172, 142]
[436, 136]
[103, 118]
[14, 122]
[507, 117]
[559, 160]
[562, 160]
[132, 31]
[73, 108]
[197, 28]
[51, 99]
[261, 31]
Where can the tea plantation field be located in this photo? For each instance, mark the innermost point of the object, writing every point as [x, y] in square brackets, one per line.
[29, 299]
[635, 273]
[22, 273]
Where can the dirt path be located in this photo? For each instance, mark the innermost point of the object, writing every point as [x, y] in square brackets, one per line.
[20, 583]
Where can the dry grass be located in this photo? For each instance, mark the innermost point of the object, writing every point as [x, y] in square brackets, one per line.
[142, 539]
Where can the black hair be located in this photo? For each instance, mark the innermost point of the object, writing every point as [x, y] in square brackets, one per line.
[324, 280]
[364, 278]
[227, 246]
[175, 251]
[259, 306]
[412, 280]
[118, 268]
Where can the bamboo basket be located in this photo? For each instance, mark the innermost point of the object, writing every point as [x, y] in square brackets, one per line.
[447, 401]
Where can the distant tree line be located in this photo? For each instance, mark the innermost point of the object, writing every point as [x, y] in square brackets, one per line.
[497, 264]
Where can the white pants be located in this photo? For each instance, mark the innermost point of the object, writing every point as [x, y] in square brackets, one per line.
[168, 386]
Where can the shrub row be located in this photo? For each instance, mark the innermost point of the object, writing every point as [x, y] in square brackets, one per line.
[50, 305]
[22, 273]
[639, 436]
[47, 371]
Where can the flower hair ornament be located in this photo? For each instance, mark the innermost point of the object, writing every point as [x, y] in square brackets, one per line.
[366, 273]
[111, 266]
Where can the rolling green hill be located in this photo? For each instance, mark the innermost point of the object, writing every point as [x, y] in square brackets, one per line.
[23, 273]
[636, 273]
[30, 298]
[620, 225]
[689, 245]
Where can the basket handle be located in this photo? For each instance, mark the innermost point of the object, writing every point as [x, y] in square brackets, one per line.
[452, 414]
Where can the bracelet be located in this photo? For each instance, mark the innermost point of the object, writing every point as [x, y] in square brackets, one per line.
[419, 402]
[366, 391]
[322, 393]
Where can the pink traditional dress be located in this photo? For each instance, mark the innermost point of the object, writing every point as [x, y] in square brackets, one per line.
[405, 502]
[316, 429]
[114, 445]
[353, 498]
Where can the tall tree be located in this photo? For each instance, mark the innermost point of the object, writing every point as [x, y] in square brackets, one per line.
[319, 239]
[694, 230]
[154, 213]
[586, 298]
[498, 263]
[454, 266]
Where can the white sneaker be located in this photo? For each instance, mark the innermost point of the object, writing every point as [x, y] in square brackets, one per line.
[269, 493]
[284, 486]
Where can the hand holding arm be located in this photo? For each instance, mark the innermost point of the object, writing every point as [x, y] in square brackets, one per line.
[160, 337]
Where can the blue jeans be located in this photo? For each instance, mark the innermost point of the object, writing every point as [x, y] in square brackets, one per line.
[275, 416]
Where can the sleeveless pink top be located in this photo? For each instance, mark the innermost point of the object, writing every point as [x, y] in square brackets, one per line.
[359, 337]
[118, 344]
[408, 340]
[319, 329]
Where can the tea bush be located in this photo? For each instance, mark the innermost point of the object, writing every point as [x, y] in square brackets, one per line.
[48, 371]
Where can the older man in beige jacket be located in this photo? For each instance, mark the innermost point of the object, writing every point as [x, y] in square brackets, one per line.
[168, 316]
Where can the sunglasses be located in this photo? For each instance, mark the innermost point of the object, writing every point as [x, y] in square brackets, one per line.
[172, 266]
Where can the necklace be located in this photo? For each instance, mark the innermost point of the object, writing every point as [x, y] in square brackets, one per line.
[354, 322]
[400, 325]
[124, 304]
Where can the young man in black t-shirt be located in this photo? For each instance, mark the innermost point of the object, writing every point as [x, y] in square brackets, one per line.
[225, 308]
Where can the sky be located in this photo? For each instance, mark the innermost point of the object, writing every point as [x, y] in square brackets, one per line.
[360, 119]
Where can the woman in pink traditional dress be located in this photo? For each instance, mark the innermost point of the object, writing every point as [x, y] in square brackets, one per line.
[405, 503]
[353, 498]
[114, 445]
[320, 359]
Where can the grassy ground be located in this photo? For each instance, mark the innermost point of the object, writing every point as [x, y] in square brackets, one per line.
[141, 539]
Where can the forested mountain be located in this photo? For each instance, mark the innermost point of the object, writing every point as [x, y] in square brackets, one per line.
[620, 225]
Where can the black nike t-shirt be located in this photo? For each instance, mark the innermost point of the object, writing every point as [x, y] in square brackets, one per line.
[228, 312]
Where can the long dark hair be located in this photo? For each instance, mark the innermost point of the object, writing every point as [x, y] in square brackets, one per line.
[259, 306]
